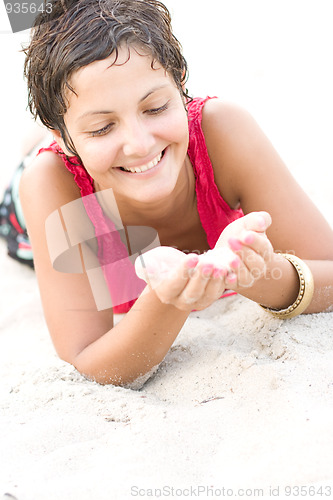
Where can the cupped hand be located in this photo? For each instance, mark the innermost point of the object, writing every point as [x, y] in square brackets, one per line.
[185, 281]
[258, 222]
[247, 238]
[195, 281]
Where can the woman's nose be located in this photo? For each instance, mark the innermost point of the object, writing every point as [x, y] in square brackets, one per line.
[137, 140]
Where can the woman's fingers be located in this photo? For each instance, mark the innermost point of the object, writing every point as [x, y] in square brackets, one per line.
[251, 267]
[254, 251]
[254, 221]
[204, 287]
[169, 285]
[186, 281]
[192, 287]
[258, 243]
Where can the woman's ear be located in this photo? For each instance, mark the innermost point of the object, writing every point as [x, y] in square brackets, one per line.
[59, 140]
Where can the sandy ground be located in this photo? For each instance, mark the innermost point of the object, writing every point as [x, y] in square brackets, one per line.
[242, 400]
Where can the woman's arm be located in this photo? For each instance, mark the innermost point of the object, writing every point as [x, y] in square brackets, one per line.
[82, 335]
[250, 174]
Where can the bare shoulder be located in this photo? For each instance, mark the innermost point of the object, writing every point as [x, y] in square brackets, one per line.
[227, 119]
[229, 130]
[46, 178]
[224, 114]
[251, 174]
[46, 185]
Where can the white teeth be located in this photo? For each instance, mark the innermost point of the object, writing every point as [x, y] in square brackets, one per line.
[143, 168]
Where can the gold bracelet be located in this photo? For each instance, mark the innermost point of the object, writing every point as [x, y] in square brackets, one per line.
[305, 292]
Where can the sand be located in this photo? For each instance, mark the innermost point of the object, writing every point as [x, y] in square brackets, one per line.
[243, 403]
[242, 400]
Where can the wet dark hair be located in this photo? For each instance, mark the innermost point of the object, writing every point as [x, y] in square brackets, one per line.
[75, 33]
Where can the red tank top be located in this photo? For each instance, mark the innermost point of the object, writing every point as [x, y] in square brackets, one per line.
[215, 214]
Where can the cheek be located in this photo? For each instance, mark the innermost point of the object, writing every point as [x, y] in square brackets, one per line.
[175, 128]
[97, 155]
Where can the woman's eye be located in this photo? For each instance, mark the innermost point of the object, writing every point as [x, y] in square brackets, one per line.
[156, 111]
[101, 131]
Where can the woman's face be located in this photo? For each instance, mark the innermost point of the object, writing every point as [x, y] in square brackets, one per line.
[129, 126]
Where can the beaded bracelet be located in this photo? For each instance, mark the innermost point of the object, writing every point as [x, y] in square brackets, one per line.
[305, 292]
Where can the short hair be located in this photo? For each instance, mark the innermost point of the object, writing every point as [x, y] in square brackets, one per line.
[74, 33]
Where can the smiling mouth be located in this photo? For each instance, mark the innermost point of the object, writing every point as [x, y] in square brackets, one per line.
[147, 166]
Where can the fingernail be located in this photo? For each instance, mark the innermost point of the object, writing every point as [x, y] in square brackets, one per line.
[192, 262]
[232, 278]
[207, 269]
[234, 244]
[235, 263]
[249, 239]
[218, 273]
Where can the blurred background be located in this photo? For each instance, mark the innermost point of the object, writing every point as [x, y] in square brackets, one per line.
[274, 57]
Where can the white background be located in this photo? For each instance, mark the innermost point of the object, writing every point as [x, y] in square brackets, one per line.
[274, 57]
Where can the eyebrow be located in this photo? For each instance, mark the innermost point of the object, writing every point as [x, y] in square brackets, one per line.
[108, 112]
[155, 89]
